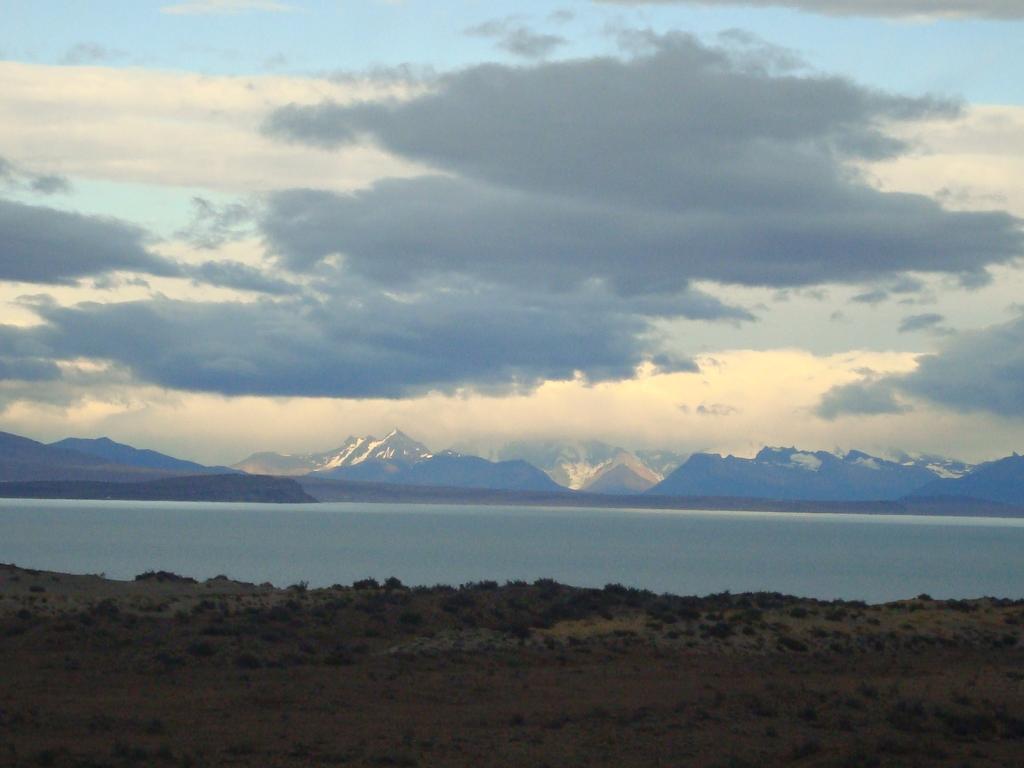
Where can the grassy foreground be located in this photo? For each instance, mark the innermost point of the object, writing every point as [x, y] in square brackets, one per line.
[165, 671]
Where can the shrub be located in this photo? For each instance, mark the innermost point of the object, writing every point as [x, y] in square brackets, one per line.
[248, 661]
[410, 619]
[792, 644]
[806, 749]
[483, 586]
[201, 649]
[908, 716]
[720, 630]
[162, 576]
[971, 725]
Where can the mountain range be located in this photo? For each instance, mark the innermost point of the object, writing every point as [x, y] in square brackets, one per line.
[592, 469]
[1001, 481]
[590, 466]
[397, 458]
[792, 475]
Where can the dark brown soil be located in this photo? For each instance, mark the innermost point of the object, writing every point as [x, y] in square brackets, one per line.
[165, 671]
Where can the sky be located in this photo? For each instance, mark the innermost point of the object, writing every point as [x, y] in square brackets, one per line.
[696, 225]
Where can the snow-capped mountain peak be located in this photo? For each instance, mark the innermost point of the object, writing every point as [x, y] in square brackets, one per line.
[396, 447]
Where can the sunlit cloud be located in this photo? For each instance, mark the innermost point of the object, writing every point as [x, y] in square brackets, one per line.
[178, 129]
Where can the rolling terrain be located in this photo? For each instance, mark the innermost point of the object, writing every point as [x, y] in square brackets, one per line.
[169, 671]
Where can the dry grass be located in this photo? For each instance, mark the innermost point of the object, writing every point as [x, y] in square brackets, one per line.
[167, 672]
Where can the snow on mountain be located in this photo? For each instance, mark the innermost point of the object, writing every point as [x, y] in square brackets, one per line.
[398, 459]
[662, 463]
[1001, 481]
[396, 446]
[581, 465]
[788, 473]
[940, 466]
[570, 465]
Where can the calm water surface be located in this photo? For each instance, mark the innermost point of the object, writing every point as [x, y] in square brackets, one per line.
[867, 557]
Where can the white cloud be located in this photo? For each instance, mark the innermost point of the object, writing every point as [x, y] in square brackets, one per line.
[973, 163]
[178, 129]
[777, 388]
[207, 7]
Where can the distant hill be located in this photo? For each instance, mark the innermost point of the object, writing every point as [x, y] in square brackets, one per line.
[119, 453]
[790, 474]
[624, 474]
[1000, 481]
[208, 488]
[448, 469]
[23, 459]
[619, 480]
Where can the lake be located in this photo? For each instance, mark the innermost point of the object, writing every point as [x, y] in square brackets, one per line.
[867, 557]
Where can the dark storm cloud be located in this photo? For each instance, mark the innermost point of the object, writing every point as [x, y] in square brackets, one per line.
[28, 369]
[18, 178]
[402, 229]
[518, 39]
[868, 399]
[986, 9]
[684, 162]
[49, 246]
[22, 357]
[44, 245]
[233, 274]
[365, 345]
[874, 296]
[214, 225]
[50, 185]
[975, 371]
[924, 322]
[903, 285]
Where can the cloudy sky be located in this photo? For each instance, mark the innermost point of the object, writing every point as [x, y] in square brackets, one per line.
[238, 225]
